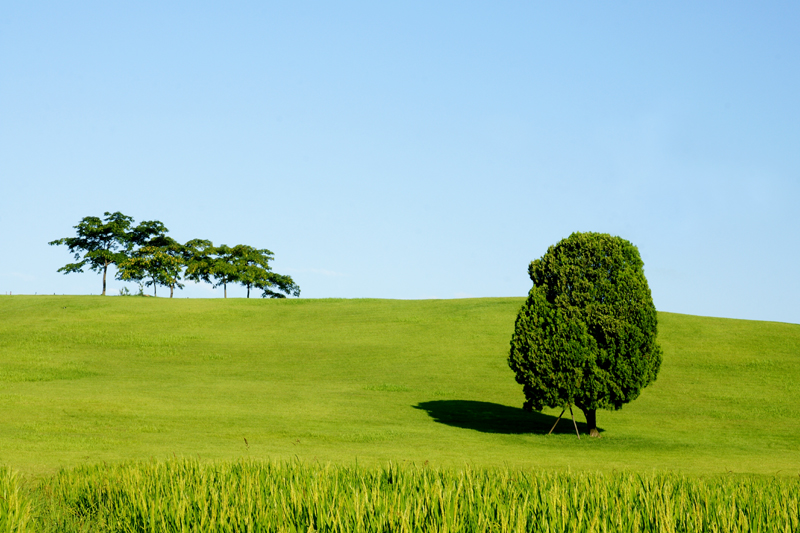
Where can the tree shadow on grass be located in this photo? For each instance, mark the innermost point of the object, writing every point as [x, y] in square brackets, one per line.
[489, 417]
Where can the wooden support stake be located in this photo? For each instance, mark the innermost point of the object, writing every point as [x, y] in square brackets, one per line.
[557, 421]
[574, 423]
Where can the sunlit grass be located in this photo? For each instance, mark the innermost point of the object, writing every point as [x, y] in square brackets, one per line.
[89, 379]
[15, 503]
[182, 496]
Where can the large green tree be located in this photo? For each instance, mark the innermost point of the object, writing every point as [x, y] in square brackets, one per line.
[98, 244]
[586, 335]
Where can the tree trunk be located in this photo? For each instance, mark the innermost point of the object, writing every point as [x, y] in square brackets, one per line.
[105, 269]
[591, 421]
[171, 290]
[225, 289]
[248, 290]
[154, 287]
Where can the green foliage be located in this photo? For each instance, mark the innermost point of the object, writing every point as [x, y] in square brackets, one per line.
[243, 264]
[198, 254]
[148, 232]
[158, 260]
[98, 244]
[252, 270]
[154, 266]
[223, 267]
[186, 495]
[146, 255]
[586, 335]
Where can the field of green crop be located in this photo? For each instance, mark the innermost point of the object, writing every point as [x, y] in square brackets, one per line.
[93, 380]
[181, 496]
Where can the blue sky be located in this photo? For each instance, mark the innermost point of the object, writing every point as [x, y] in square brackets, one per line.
[414, 150]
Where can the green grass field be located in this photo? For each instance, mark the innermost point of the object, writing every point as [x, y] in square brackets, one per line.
[86, 380]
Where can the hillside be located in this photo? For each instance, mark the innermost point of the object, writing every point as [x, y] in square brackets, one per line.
[90, 379]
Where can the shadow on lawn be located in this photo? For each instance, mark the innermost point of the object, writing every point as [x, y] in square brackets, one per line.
[495, 418]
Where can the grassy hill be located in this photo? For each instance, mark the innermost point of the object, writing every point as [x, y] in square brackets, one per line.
[91, 379]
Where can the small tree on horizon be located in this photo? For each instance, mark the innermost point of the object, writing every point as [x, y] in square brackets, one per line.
[243, 264]
[275, 285]
[211, 264]
[586, 335]
[101, 242]
[198, 255]
[252, 266]
[157, 259]
[158, 263]
[223, 268]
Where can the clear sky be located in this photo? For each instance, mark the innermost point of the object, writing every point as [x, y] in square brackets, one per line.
[412, 149]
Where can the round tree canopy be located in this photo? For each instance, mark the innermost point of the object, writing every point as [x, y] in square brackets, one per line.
[586, 335]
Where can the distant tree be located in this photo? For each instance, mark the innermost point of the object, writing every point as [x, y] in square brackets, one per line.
[176, 252]
[586, 336]
[148, 233]
[275, 285]
[226, 267]
[253, 271]
[198, 255]
[99, 243]
[243, 264]
[160, 262]
[157, 259]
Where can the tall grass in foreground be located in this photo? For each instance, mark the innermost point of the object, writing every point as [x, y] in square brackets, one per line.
[15, 504]
[183, 496]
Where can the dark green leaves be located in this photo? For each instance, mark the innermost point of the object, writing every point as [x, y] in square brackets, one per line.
[549, 353]
[587, 332]
[146, 254]
[242, 264]
[154, 265]
[98, 243]
[101, 242]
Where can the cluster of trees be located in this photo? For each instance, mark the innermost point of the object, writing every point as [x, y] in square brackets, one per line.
[144, 253]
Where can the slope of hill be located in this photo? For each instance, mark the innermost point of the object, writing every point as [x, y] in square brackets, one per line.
[90, 379]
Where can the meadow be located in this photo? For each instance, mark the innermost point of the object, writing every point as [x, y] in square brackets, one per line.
[423, 385]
